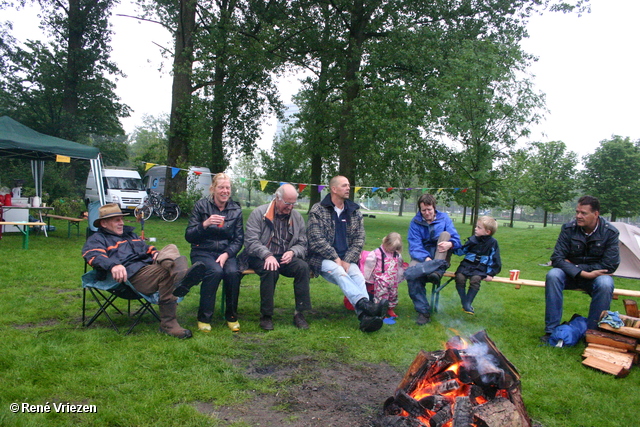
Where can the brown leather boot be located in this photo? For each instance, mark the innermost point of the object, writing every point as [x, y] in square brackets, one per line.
[168, 323]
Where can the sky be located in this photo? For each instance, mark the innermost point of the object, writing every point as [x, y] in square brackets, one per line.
[587, 66]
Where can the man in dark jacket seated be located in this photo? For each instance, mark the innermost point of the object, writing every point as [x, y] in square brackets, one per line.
[117, 249]
[585, 257]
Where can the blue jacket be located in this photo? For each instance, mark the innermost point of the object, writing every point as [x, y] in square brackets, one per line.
[423, 237]
[481, 257]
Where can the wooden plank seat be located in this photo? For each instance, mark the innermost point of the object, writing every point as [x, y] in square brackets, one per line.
[26, 226]
[71, 222]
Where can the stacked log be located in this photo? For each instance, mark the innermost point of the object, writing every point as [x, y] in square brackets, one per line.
[613, 350]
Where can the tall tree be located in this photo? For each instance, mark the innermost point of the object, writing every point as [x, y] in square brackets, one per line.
[612, 173]
[550, 179]
[61, 87]
[511, 190]
[486, 109]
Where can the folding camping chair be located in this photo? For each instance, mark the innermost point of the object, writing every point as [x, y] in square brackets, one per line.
[106, 292]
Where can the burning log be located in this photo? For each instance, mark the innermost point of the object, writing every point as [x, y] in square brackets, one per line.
[462, 386]
[462, 415]
[499, 413]
[441, 417]
[409, 404]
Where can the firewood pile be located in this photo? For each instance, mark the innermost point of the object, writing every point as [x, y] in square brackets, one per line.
[614, 350]
[465, 385]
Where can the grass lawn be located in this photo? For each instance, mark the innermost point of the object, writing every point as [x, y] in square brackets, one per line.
[149, 379]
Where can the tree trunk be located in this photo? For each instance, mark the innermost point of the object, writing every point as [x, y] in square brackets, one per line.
[178, 152]
[546, 215]
[513, 212]
[464, 214]
[70, 99]
[352, 83]
[316, 176]
[476, 202]
[401, 202]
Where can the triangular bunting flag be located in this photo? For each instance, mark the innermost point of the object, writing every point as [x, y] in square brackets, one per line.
[174, 172]
[389, 189]
[357, 188]
[242, 180]
[282, 183]
[301, 187]
[374, 189]
[197, 173]
[320, 188]
[464, 190]
[148, 166]
[263, 184]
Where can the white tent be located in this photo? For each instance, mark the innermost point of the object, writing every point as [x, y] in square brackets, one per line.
[629, 251]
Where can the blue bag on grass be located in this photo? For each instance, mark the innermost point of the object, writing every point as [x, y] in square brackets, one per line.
[568, 334]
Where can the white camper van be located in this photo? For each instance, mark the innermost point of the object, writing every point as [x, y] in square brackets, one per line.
[154, 179]
[122, 186]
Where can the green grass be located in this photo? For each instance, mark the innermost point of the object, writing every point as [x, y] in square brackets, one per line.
[149, 379]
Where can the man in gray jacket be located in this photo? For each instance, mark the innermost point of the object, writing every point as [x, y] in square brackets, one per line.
[275, 242]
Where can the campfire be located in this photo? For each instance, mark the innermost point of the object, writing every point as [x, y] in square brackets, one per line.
[467, 384]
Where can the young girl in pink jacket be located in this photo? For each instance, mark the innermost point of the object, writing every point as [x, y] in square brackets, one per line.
[384, 268]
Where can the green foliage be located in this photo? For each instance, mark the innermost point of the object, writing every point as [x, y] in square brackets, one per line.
[149, 141]
[284, 161]
[71, 207]
[550, 178]
[61, 88]
[612, 173]
[187, 199]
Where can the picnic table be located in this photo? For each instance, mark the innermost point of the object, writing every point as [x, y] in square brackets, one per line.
[75, 222]
[24, 230]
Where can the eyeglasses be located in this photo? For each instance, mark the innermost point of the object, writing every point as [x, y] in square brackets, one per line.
[288, 204]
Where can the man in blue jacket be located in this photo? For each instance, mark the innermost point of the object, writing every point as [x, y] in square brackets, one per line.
[432, 235]
[586, 255]
[116, 249]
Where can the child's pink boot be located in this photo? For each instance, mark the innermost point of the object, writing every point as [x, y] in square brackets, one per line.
[391, 313]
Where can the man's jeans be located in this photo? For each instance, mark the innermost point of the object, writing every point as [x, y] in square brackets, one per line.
[600, 289]
[352, 284]
[418, 294]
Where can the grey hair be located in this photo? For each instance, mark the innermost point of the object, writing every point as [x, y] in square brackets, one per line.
[280, 192]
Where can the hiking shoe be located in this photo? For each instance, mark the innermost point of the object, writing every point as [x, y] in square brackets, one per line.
[204, 327]
[370, 323]
[545, 338]
[423, 319]
[371, 308]
[391, 313]
[468, 310]
[193, 277]
[234, 326]
[300, 322]
[266, 323]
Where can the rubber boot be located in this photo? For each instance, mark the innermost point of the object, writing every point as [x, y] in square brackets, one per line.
[463, 294]
[168, 323]
[471, 294]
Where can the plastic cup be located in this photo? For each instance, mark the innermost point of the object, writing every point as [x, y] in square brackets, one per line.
[514, 274]
[221, 223]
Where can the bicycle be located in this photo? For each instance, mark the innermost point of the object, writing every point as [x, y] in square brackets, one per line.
[160, 206]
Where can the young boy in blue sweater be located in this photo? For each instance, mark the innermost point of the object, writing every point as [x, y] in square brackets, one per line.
[481, 261]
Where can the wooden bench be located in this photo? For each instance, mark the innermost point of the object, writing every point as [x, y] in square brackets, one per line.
[540, 284]
[24, 230]
[72, 221]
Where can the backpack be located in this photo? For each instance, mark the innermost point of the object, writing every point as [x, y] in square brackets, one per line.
[363, 259]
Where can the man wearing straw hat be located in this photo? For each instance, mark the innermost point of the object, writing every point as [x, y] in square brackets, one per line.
[115, 248]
